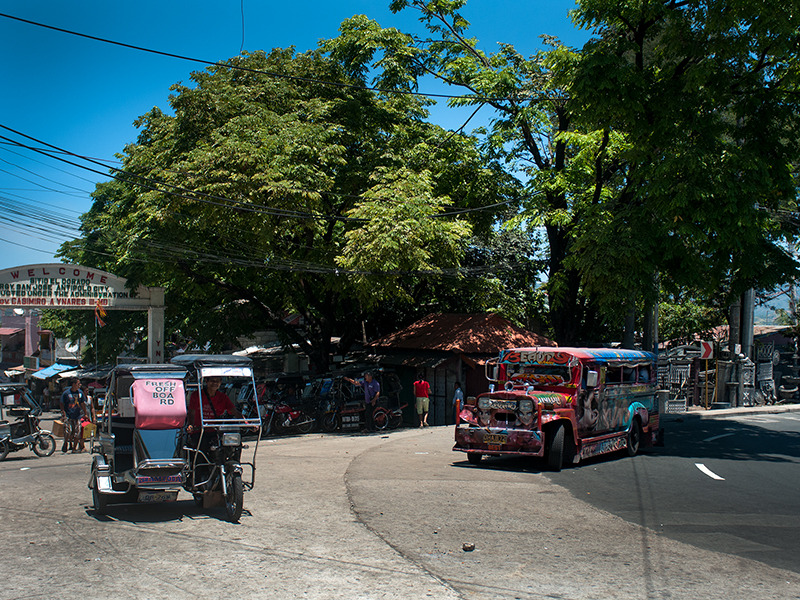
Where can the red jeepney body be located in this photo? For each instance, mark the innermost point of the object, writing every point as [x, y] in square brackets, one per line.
[603, 399]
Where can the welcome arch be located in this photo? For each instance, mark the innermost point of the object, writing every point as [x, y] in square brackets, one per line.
[74, 287]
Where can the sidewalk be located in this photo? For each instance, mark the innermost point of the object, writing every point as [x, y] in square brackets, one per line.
[698, 412]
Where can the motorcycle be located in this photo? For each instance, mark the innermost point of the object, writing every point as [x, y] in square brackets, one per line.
[25, 431]
[284, 410]
[286, 417]
[216, 469]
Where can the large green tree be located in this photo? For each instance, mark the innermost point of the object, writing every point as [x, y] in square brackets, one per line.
[703, 97]
[660, 151]
[280, 186]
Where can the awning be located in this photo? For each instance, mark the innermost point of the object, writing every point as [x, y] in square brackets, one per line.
[15, 371]
[51, 370]
[9, 330]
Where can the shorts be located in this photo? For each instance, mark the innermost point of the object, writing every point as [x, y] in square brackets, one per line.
[72, 429]
[422, 405]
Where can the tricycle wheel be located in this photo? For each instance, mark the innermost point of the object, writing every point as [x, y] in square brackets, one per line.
[234, 499]
[307, 426]
[44, 445]
[99, 500]
[329, 422]
[380, 418]
[474, 458]
[3, 450]
[198, 500]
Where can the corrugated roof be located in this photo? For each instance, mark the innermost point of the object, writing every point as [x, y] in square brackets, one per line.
[466, 334]
[9, 330]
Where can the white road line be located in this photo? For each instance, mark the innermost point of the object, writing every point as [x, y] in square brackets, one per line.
[708, 472]
[716, 437]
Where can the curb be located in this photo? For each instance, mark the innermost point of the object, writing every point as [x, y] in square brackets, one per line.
[700, 413]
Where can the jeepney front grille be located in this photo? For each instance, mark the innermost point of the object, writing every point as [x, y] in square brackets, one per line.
[505, 417]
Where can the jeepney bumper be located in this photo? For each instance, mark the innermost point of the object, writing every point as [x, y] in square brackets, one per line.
[519, 442]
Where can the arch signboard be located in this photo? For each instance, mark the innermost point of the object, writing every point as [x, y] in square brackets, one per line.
[74, 287]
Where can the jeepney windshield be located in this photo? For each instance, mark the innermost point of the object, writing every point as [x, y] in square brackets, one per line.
[540, 374]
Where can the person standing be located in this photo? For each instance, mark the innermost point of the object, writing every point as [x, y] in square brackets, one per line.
[372, 390]
[46, 398]
[422, 391]
[458, 401]
[73, 407]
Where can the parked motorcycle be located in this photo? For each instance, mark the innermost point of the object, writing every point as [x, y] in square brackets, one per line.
[288, 405]
[286, 417]
[25, 431]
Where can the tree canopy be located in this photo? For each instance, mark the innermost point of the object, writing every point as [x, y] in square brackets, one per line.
[662, 153]
[281, 187]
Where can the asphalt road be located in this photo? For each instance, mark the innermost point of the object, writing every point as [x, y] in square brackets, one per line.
[725, 484]
[360, 517]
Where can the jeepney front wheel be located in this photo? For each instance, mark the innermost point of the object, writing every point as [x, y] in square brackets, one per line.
[474, 458]
[634, 438]
[555, 453]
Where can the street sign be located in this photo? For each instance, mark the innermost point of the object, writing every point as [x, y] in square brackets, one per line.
[706, 350]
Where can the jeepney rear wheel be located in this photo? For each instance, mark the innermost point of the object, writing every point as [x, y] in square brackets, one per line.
[555, 454]
[3, 450]
[634, 438]
[474, 458]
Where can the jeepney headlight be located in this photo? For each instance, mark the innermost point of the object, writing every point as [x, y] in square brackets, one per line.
[232, 439]
[526, 405]
[483, 403]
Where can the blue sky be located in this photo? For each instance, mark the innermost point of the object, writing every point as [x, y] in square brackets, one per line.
[83, 96]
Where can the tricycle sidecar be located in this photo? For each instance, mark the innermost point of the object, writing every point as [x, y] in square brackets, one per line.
[139, 450]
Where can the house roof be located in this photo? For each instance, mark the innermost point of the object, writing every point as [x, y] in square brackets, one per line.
[465, 334]
[9, 330]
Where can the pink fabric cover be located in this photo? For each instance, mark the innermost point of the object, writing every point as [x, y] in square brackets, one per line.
[159, 403]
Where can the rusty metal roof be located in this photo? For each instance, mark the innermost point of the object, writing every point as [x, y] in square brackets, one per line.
[466, 334]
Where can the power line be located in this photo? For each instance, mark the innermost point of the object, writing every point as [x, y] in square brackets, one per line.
[212, 199]
[257, 71]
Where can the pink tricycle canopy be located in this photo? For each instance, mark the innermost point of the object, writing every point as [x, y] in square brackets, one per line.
[159, 403]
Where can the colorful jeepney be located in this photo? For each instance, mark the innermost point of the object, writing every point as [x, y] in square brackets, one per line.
[563, 404]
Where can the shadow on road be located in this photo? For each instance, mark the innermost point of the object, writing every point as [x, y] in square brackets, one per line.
[159, 513]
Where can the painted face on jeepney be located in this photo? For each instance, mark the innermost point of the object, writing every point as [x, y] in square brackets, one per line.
[525, 416]
[587, 410]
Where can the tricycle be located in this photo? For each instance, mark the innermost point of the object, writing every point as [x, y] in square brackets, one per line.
[25, 431]
[146, 451]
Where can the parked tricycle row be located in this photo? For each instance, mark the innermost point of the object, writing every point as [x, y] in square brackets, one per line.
[294, 403]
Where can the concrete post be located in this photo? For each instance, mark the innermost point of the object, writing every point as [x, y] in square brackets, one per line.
[155, 327]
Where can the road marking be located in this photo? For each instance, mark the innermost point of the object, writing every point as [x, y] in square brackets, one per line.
[708, 472]
[716, 437]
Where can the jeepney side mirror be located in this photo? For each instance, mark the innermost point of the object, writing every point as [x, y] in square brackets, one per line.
[591, 379]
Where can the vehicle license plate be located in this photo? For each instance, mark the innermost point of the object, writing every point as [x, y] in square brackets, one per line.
[158, 496]
[494, 438]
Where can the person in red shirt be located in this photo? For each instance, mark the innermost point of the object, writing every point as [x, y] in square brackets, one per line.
[215, 404]
[422, 390]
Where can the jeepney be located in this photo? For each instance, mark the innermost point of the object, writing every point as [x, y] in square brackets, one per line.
[562, 404]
